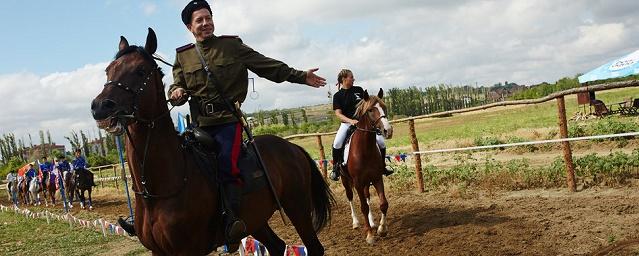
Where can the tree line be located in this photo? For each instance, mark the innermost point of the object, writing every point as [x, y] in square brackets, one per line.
[16, 152]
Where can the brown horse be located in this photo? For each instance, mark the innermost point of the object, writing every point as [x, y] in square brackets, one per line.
[49, 187]
[68, 178]
[365, 163]
[23, 191]
[177, 209]
[83, 182]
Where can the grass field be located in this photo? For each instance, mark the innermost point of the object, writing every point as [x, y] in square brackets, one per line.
[21, 236]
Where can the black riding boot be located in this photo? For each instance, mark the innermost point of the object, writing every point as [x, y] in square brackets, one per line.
[338, 154]
[386, 170]
[234, 226]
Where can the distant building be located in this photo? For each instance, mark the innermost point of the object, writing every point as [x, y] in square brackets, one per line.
[38, 151]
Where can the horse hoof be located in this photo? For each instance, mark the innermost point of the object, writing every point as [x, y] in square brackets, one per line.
[370, 239]
[90, 207]
[381, 231]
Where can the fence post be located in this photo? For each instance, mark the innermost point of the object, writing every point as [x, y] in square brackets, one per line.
[322, 155]
[563, 130]
[418, 159]
[101, 180]
[115, 177]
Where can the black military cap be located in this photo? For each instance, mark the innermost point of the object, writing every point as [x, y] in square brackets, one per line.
[192, 6]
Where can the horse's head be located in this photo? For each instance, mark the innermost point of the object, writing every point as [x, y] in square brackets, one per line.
[134, 89]
[374, 108]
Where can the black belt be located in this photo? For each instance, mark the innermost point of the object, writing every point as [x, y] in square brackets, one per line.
[207, 109]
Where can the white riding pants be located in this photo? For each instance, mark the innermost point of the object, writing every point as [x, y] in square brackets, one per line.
[341, 135]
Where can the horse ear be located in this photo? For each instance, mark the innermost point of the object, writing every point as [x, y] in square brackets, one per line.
[151, 42]
[123, 43]
[380, 94]
[366, 95]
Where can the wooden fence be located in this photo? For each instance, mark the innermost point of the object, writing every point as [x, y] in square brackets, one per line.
[561, 113]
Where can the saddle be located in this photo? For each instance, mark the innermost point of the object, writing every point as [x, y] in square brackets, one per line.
[349, 134]
[346, 143]
[204, 149]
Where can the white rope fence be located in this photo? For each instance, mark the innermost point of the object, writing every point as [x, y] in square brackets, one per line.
[113, 178]
[607, 136]
[99, 225]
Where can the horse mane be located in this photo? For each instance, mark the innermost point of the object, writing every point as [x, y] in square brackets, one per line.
[364, 105]
[140, 50]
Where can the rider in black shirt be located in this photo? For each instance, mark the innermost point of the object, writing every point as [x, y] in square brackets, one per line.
[345, 103]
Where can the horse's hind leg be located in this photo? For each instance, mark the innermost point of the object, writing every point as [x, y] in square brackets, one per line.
[348, 188]
[273, 243]
[383, 207]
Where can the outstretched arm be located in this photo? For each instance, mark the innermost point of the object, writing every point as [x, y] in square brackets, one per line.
[314, 80]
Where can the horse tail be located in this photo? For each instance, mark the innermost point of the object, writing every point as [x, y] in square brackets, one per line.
[323, 199]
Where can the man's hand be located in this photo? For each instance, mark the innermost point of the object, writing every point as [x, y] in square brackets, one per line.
[314, 80]
[178, 97]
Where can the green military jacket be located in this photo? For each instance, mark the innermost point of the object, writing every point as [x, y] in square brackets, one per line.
[228, 59]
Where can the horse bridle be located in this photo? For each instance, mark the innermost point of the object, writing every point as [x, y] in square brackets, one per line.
[375, 129]
[150, 123]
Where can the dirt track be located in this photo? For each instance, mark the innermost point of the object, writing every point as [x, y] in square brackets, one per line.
[531, 222]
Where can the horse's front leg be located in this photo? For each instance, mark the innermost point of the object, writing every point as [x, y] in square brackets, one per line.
[348, 188]
[70, 195]
[383, 207]
[80, 194]
[44, 195]
[52, 195]
[90, 202]
[367, 194]
[370, 239]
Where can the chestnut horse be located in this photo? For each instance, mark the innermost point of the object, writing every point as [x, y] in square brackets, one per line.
[365, 163]
[177, 208]
[48, 187]
[23, 190]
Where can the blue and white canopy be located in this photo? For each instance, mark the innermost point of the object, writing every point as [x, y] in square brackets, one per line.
[625, 66]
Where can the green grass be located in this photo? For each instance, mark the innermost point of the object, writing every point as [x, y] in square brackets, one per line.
[21, 236]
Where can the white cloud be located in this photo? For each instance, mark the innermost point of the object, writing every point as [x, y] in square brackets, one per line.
[149, 8]
[386, 43]
[56, 102]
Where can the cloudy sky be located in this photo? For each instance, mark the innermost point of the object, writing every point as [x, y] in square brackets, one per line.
[54, 52]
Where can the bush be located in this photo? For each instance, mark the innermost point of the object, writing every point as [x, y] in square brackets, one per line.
[13, 164]
[487, 141]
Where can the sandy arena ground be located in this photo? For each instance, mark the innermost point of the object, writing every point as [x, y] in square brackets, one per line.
[460, 222]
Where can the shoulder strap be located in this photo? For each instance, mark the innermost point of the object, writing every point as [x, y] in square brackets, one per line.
[185, 47]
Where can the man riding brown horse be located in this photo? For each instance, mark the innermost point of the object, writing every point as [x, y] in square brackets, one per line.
[228, 59]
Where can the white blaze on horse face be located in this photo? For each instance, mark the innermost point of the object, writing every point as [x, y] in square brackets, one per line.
[388, 129]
